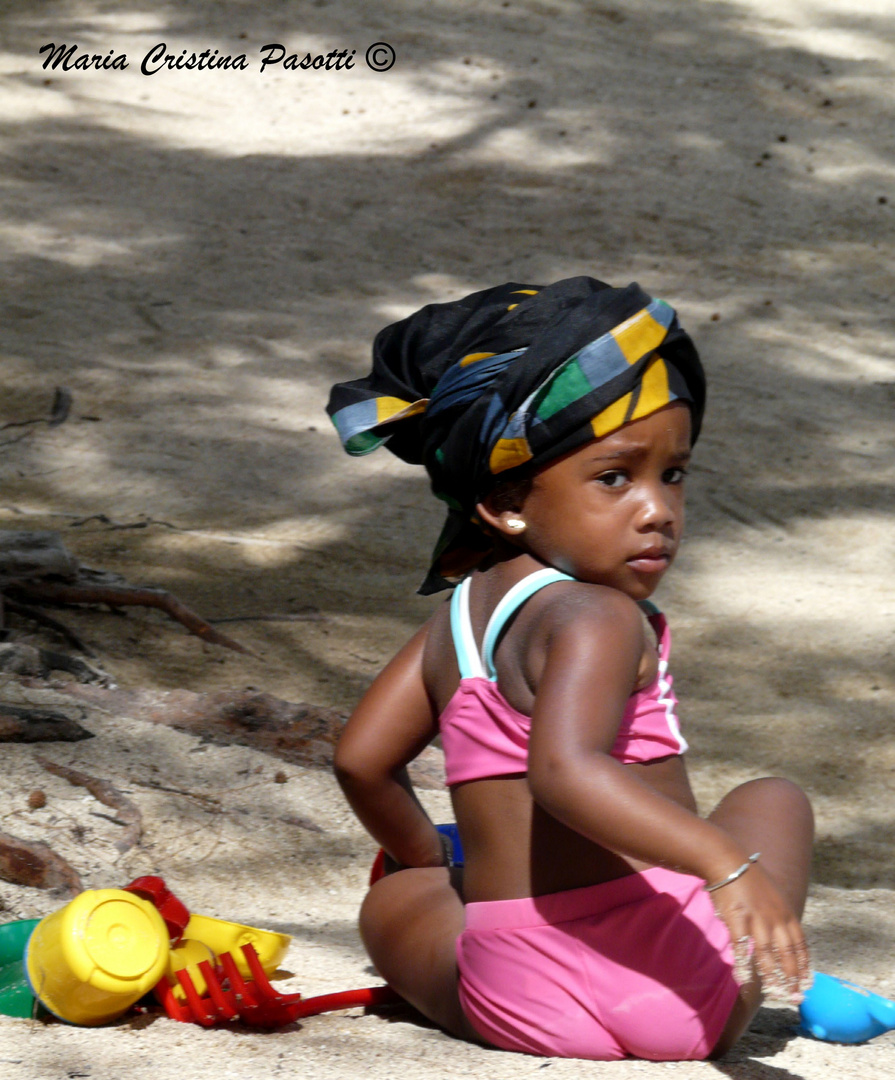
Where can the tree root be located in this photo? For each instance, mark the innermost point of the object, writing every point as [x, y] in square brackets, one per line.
[32, 863]
[40, 617]
[296, 732]
[51, 592]
[104, 792]
[20, 725]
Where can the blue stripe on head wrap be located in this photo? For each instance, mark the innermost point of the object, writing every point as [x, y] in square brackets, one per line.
[465, 382]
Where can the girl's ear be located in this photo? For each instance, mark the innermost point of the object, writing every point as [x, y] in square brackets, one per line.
[509, 523]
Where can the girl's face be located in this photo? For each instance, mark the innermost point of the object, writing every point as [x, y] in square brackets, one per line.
[612, 512]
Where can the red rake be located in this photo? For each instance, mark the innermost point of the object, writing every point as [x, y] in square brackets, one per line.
[231, 998]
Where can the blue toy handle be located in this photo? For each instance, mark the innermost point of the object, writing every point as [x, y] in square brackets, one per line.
[839, 1011]
[453, 834]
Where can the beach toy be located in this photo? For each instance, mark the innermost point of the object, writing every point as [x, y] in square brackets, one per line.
[228, 937]
[216, 936]
[89, 962]
[228, 997]
[453, 834]
[173, 911]
[16, 998]
[206, 938]
[838, 1011]
[382, 864]
[13, 939]
[217, 971]
[186, 956]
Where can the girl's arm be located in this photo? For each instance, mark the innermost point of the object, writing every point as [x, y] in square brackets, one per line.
[393, 723]
[591, 661]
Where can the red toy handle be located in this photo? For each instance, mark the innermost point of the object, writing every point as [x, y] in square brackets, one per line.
[377, 870]
[369, 997]
[172, 910]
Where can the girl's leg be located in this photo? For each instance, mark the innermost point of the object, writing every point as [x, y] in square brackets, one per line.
[772, 816]
[410, 922]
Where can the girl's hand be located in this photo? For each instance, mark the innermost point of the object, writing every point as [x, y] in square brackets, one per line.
[765, 934]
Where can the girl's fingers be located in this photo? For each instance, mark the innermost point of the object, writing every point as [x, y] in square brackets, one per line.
[767, 963]
[767, 938]
[804, 975]
[783, 966]
[742, 959]
[777, 956]
[738, 926]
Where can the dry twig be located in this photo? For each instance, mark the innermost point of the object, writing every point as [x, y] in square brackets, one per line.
[108, 795]
[37, 592]
[59, 410]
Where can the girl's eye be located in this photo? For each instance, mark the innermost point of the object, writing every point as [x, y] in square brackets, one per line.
[612, 479]
[675, 476]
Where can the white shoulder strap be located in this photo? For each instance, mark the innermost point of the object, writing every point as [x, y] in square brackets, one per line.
[510, 603]
[468, 659]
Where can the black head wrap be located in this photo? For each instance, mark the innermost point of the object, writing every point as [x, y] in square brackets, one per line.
[510, 376]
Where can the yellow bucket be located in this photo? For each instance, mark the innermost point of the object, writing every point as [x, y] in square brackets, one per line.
[94, 958]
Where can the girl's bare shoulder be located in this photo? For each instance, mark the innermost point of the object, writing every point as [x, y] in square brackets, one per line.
[571, 624]
[583, 608]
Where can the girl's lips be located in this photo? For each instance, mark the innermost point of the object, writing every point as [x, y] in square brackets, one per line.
[650, 562]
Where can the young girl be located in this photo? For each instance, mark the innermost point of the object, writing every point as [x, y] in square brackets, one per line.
[597, 916]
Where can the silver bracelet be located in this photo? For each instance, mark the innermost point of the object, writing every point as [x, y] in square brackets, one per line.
[738, 873]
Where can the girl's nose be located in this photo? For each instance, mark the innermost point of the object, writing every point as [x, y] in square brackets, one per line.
[659, 508]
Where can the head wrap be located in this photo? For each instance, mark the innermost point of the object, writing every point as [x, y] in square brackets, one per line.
[514, 375]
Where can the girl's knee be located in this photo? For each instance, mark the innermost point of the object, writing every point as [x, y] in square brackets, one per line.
[381, 907]
[409, 923]
[773, 816]
[787, 802]
[773, 796]
[398, 901]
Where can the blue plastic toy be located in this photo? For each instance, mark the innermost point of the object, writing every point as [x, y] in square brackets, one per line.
[453, 834]
[839, 1011]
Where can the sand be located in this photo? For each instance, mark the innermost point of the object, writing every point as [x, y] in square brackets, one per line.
[197, 255]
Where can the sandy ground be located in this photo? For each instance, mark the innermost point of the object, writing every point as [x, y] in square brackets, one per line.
[197, 255]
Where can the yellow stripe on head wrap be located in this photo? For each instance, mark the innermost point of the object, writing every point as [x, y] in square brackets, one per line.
[521, 292]
[508, 453]
[653, 389]
[612, 417]
[638, 335]
[651, 395]
[392, 408]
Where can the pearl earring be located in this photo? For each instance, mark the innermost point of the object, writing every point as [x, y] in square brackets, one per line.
[516, 524]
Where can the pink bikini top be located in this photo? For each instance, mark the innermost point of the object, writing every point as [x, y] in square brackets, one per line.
[484, 736]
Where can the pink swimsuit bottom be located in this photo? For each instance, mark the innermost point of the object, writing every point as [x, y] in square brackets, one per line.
[640, 966]
[636, 967]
